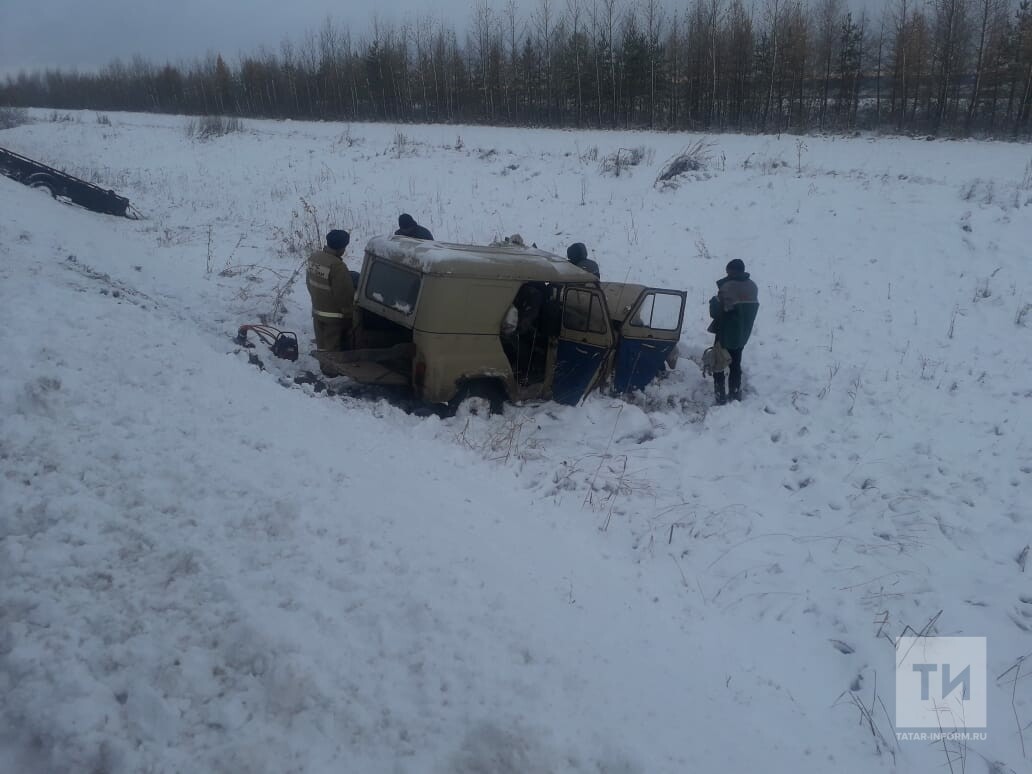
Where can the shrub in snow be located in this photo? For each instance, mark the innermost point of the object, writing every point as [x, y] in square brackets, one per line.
[623, 159]
[11, 117]
[766, 165]
[207, 127]
[402, 145]
[689, 164]
[348, 139]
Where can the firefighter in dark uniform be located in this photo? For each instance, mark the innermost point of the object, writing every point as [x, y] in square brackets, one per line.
[577, 254]
[407, 226]
[333, 293]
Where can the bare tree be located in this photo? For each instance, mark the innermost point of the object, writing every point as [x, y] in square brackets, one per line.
[901, 45]
[742, 51]
[714, 50]
[878, 66]
[988, 14]
[774, 19]
[654, 17]
[828, 12]
[544, 21]
[574, 13]
[610, 27]
[483, 23]
[511, 17]
[950, 17]
[598, 45]
[674, 49]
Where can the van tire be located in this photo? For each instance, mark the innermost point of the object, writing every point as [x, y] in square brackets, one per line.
[43, 183]
[482, 397]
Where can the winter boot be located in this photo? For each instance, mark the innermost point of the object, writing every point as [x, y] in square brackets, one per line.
[718, 388]
[734, 384]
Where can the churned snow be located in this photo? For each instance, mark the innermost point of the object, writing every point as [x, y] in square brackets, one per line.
[206, 567]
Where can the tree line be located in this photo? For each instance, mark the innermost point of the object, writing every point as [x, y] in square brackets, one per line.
[930, 66]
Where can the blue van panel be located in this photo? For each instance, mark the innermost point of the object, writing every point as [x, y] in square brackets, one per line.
[575, 368]
[639, 361]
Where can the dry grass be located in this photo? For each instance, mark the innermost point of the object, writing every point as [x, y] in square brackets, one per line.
[623, 159]
[209, 127]
[694, 158]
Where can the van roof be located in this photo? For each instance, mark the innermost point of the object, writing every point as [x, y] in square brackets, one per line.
[478, 261]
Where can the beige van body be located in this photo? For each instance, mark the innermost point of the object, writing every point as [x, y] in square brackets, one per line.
[510, 321]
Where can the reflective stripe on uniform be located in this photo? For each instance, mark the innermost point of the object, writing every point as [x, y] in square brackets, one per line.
[321, 285]
[331, 315]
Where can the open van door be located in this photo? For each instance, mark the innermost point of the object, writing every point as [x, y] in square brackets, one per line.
[648, 335]
[585, 343]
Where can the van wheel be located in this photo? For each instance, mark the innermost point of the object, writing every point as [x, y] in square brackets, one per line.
[43, 183]
[480, 397]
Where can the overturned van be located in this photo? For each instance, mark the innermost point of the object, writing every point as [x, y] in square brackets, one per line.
[499, 323]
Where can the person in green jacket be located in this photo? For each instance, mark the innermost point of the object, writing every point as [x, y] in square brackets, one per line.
[733, 310]
[333, 292]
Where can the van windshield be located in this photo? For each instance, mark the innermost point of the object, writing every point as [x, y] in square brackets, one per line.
[393, 286]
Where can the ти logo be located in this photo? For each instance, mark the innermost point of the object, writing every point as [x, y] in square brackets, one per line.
[941, 683]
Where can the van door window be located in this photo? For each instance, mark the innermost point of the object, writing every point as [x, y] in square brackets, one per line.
[583, 312]
[659, 311]
[393, 286]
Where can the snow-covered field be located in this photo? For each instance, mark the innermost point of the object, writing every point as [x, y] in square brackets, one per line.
[207, 568]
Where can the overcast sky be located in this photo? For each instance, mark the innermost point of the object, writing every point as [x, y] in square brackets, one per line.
[89, 33]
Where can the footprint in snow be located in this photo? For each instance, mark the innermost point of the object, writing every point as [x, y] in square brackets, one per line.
[1022, 615]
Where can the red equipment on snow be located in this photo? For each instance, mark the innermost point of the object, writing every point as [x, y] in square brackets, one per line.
[282, 343]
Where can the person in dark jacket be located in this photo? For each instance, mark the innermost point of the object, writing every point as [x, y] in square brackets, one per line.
[577, 254]
[332, 291]
[733, 310]
[408, 227]
[523, 338]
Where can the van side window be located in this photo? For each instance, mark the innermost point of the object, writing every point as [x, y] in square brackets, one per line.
[583, 312]
[659, 311]
[393, 286]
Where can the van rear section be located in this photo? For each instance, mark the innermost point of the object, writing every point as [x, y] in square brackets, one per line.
[387, 366]
[382, 348]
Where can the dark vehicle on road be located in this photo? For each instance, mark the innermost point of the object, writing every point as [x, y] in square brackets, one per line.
[61, 185]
